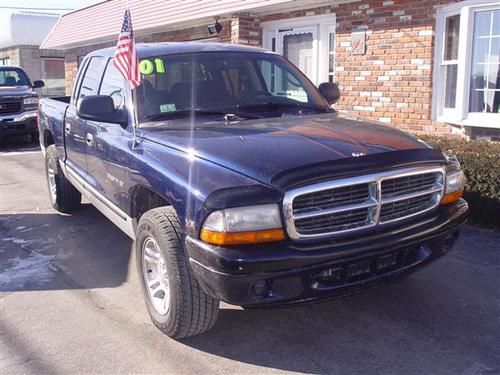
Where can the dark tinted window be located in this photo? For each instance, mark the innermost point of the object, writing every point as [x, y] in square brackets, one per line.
[90, 82]
[113, 85]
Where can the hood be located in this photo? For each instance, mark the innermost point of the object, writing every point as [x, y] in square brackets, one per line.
[16, 91]
[262, 149]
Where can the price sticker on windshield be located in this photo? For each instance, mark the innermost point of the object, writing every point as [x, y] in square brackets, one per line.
[148, 67]
[167, 107]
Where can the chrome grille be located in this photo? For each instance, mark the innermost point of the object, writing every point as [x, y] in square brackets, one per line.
[395, 210]
[333, 222]
[347, 205]
[331, 198]
[10, 107]
[408, 184]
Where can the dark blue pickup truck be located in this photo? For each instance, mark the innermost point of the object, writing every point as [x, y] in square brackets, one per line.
[238, 182]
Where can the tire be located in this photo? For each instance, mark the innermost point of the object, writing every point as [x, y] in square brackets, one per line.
[187, 310]
[63, 195]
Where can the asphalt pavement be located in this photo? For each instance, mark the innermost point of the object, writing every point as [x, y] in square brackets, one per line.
[70, 303]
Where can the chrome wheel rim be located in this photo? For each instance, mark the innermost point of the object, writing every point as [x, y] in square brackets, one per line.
[154, 270]
[51, 177]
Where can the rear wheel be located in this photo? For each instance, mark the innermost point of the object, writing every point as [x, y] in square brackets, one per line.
[63, 195]
[175, 301]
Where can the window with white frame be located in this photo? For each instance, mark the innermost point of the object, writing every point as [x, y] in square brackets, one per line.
[4, 61]
[467, 69]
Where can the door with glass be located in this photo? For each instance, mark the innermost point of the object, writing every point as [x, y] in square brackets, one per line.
[300, 46]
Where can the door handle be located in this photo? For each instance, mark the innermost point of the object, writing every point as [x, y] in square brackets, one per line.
[89, 139]
[67, 128]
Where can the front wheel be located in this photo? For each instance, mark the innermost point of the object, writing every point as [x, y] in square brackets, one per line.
[175, 301]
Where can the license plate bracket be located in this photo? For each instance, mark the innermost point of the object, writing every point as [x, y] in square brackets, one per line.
[358, 268]
[386, 261]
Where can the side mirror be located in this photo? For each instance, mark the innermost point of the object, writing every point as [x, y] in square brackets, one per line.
[99, 108]
[38, 84]
[330, 91]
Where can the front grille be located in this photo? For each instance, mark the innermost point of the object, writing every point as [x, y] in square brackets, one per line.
[332, 198]
[351, 204]
[395, 210]
[333, 222]
[408, 195]
[10, 107]
[408, 184]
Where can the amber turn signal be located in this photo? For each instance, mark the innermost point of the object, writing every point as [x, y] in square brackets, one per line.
[242, 238]
[452, 197]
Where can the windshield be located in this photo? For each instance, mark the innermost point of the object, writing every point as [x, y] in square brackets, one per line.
[248, 85]
[10, 77]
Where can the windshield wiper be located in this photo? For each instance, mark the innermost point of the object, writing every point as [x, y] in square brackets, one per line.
[228, 115]
[274, 105]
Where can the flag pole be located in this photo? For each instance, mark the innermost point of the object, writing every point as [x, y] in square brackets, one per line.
[134, 101]
[135, 118]
[126, 62]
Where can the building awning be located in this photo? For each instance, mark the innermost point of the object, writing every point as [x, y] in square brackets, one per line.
[102, 22]
[25, 28]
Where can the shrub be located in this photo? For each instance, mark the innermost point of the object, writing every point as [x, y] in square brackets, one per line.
[480, 162]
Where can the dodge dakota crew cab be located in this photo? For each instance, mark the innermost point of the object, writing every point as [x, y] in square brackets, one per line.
[18, 103]
[239, 182]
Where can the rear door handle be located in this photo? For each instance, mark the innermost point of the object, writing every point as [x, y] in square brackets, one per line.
[89, 139]
[67, 128]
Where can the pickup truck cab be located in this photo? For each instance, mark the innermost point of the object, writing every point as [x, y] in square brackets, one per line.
[18, 103]
[239, 182]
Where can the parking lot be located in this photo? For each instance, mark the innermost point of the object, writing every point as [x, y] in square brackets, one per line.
[71, 303]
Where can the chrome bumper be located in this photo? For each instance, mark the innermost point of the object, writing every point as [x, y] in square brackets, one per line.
[18, 117]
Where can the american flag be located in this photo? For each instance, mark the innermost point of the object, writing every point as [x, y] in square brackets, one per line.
[125, 58]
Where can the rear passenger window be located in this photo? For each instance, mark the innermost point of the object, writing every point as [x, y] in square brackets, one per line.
[113, 85]
[90, 82]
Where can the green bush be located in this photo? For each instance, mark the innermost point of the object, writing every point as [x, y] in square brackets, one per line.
[480, 161]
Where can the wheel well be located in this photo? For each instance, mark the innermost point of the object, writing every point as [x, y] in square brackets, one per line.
[143, 200]
[48, 139]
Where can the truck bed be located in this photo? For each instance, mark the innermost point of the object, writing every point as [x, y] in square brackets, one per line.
[52, 112]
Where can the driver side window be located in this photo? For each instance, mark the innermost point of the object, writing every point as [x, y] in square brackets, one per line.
[113, 85]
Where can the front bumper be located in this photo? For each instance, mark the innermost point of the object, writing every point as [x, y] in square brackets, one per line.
[291, 273]
[19, 124]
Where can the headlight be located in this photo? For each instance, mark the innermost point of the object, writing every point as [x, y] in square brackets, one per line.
[455, 181]
[31, 101]
[243, 225]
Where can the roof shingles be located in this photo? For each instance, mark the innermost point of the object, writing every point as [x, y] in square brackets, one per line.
[102, 21]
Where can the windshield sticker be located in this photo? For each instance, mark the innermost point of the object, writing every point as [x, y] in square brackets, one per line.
[148, 67]
[167, 107]
[160, 68]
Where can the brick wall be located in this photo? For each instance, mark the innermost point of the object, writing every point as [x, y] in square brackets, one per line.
[392, 82]
[246, 29]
